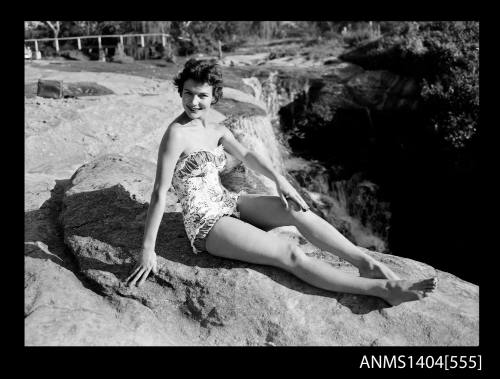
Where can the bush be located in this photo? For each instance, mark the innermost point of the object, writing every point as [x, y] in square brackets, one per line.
[450, 92]
[444, 57]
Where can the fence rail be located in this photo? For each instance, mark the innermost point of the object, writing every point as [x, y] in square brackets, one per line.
[164, 37]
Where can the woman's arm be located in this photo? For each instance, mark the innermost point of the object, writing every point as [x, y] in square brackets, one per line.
[170, 149]
[261, 165]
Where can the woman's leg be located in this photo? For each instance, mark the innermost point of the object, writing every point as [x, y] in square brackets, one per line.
[268, 212]
[236, 239]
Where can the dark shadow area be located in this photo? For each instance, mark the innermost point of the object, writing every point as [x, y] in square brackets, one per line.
[35, 251]
[114, 221]
[42, 225]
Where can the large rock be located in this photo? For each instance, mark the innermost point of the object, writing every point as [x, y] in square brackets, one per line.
[205, 300]
[82, 241]
[52, 89]
[61, 311]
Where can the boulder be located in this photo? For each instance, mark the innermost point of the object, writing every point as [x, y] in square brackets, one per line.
[50, 88]
[213, 301]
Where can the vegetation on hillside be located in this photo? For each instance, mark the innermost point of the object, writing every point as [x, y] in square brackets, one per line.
[444, 56]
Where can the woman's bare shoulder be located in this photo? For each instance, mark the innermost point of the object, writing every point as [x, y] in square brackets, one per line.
[222, 129]
[173, 135]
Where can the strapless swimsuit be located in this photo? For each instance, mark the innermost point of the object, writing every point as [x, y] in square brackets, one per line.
[203, 198]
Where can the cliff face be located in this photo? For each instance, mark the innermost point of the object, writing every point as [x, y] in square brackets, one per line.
[82, 235]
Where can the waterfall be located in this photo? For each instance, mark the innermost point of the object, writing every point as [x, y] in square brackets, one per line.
[354, 202]
[350, 205]
[257, 134]
[276, 92]
[255, 85]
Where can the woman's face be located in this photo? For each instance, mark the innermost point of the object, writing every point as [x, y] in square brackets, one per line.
[196, 99]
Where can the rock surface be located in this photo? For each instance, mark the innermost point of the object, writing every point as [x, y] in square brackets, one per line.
[82, 235]
[210, 301]
[214, 301]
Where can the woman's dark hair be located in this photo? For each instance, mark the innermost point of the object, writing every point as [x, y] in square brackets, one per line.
[203, 72]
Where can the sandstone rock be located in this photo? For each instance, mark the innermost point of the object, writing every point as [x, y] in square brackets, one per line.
[37, 189]
[74, 291]
[50, 88]
[213, 301]
[63, 134]
[61, 311]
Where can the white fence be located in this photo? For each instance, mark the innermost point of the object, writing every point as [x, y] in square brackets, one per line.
[121, 37]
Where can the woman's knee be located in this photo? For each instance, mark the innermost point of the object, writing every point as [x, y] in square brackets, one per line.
[293, 257]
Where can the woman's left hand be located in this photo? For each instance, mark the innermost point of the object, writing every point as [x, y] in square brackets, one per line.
[286, 192]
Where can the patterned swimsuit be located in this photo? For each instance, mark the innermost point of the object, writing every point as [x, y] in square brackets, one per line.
[203, 198]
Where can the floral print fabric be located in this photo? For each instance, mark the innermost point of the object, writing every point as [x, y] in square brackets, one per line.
[203, 198]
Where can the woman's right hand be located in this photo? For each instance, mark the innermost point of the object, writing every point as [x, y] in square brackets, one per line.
[142, 268]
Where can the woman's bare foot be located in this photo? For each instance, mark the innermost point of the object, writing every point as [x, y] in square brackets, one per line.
[400, 291]
[375, 270]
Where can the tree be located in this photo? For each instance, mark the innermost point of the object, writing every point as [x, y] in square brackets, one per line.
[54, 27]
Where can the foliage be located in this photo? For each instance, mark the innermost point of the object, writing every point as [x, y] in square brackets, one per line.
[451, 92]
[191, 37]
[444, 57]
[362, 33]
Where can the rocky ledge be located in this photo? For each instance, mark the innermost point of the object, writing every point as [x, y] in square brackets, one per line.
[75, 293]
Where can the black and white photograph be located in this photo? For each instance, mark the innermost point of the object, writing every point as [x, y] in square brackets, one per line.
[252, 184]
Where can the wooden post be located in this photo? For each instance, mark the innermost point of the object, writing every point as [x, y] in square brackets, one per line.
[163, 40]
[57, 44]
[99, 42]
[79, 43]
[220, 49]
[142, 41]
[36, 45]
[121, 40]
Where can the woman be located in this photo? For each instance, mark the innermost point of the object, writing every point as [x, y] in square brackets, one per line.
[232, 225]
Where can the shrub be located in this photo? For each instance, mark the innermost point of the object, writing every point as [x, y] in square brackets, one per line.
[444, 57]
